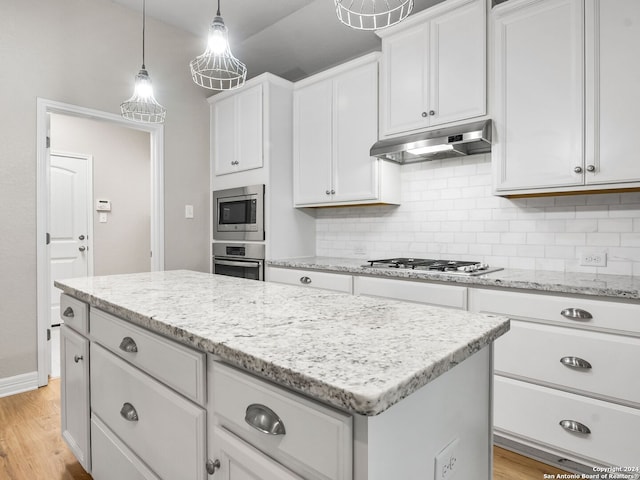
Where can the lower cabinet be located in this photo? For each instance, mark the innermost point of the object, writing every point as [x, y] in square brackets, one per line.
[307, 278]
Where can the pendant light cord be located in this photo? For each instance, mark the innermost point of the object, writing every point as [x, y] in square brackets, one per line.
[218, 14]
[144, 14]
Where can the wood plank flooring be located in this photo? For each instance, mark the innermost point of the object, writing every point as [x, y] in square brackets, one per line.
[31, 447]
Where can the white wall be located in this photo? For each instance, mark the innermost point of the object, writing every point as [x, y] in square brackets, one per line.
[448, 211]
[122, 175]
[86, 53]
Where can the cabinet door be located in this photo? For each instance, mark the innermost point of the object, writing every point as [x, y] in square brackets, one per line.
[312, 107]
[74, 394]
[240, 461]
[613, 91]
[539, 94]
[249, 128]
[457, 56]
[404, 81]
[223, 119]
[355, 130]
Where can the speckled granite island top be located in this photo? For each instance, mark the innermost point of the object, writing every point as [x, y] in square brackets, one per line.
[614, 286]
[357, 353]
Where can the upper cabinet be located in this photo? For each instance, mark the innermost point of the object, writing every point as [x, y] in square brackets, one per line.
[433, 68]
[236, 136]
[334, 125]
[562, 99]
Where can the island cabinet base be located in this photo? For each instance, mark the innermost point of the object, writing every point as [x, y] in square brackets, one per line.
[405, 440]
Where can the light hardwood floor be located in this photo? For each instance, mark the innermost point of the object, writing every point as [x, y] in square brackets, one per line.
[31, 447]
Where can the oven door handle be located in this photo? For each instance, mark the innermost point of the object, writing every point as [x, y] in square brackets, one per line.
[229, 263]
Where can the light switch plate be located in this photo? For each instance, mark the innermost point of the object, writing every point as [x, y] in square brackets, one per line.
[447, 462]
[188, 211]
[102, 217]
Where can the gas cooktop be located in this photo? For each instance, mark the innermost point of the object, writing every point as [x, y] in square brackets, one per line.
[457, 267]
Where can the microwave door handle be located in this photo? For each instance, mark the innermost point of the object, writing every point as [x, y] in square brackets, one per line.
[237, 264]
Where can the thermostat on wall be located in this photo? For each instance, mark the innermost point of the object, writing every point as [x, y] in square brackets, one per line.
[103, 205]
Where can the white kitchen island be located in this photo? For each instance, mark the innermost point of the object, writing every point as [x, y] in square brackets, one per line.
[347, 387]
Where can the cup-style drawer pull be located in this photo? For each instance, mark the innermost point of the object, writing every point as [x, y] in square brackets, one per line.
[128, 412]
[305, 280]
[573, 426]
[68, 312]
[576, 314]
[128, 345]
[575, 362]
[264, 419]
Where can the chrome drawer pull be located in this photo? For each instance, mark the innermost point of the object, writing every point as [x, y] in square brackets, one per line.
[77, 358]
[128, 412]
[264, 419]
[128, 345]
[573, 426]
[68, 312]
[575, 362]
[212, 466]
[305, 280]
[576, 314]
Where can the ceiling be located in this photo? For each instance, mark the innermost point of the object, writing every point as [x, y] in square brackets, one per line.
[290, 38]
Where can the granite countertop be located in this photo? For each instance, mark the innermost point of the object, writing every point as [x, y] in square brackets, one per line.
[615, 286]
[357, 353]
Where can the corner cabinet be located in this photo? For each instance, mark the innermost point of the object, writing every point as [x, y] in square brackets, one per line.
[562, 114]
[334, 126]
[236, 130]
[433, 68]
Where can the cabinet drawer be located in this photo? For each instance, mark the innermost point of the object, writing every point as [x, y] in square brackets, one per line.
[605, 315]
[306, 278]
[316, 442]
[413, 291]
[534, 412]
[535, 351]
[169, 433]
[178, 366]
[74, 313]
[112, 459]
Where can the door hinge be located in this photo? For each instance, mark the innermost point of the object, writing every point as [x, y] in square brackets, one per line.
[48, 334]
[48, 142]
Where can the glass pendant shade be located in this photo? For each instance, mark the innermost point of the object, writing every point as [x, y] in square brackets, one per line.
[217, 68]
[142, 106]
[372, 14]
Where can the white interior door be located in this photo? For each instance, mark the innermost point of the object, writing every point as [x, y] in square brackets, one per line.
[69, 200]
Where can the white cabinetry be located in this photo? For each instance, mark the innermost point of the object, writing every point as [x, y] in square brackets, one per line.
[74, 374]
[335, 125]
[544, 103]
[433, 68]
[307, 278]
[236, 136]
[578, 358]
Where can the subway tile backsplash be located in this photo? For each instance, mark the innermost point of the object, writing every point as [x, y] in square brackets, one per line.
[448, 210]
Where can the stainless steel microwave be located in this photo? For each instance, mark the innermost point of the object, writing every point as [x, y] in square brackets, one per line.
[238, 213]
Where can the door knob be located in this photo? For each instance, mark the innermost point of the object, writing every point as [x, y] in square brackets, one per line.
[577, 169]
[591, 168]
[82, 249]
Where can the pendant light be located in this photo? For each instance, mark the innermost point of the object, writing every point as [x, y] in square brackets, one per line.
[372, 14]
[217, 68]
[142, 106]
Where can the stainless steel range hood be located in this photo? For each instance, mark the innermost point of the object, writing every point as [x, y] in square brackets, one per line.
[468, 139]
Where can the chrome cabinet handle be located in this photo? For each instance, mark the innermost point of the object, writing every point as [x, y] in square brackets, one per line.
[591, 168]
[81, 237]
[424, 114]
[264, 419]
[575, 362]
[333, 192]
[577, 169]
[82, 249]
[128, 412]
[305, 280]
[77, 358]
[68, 312]
[573, 426]
[128, 345]
[432, 112]
[327, 192]
[212, 466]
[576, 314]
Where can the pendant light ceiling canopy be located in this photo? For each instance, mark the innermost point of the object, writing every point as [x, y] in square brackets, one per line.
[217, 68]
[142, 106]
[372, 14]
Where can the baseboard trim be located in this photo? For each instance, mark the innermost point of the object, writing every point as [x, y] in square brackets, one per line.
[18, 384]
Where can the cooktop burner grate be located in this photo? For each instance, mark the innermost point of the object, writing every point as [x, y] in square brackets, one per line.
[433, 265]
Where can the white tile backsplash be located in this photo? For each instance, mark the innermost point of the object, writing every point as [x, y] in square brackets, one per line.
[448, 210]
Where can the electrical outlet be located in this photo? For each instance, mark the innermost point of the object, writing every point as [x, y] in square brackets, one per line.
[102, 217]
[593, 259]
[448, 462]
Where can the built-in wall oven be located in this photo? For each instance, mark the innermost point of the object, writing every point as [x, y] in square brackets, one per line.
[238, 213]
[244, 260]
